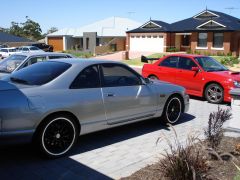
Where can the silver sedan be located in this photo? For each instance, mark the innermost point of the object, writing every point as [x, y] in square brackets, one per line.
[53, 102]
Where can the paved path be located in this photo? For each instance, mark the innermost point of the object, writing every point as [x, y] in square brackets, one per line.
[108, 154]
[118, 55]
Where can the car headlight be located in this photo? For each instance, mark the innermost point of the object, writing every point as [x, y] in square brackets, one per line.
[236, 84]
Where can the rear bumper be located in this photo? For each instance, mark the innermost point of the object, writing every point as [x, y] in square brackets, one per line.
[16, 137]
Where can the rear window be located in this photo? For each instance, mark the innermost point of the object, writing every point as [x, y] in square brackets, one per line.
[34, 48]
[40, 73]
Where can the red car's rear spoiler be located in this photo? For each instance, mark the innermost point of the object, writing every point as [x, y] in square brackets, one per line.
[146, 59]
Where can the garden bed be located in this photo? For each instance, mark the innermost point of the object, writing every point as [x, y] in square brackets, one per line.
[216, 169]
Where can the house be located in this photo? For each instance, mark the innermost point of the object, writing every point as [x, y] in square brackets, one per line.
[208, 32]
[95, 38]
[13, 41]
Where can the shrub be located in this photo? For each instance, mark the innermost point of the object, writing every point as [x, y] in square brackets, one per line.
[183, 162]
[214, 131]
[229, 60]
[172, 49]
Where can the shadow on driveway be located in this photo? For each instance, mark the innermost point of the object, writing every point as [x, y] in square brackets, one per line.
[23, 162]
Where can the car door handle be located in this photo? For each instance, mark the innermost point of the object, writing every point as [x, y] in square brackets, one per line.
[111, 95]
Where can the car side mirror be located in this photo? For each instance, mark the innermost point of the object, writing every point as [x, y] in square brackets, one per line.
[196, 69]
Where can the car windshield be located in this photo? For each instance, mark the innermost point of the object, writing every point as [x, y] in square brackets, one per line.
[34, 48]
[209, 64]
[9, 64]
[12, 50]
[39, 73]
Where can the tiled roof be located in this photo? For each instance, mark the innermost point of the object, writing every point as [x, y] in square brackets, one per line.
[160, 27]
[231, 23]
[5, 37]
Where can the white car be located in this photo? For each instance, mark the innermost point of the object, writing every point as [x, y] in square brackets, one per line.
[25, 49]
[6, 52]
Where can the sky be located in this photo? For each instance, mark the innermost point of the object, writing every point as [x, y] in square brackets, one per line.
[76, 13]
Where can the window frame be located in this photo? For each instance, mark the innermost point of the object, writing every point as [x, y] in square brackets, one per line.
[99, 76]
[139, 77]
[214, 38]
[160, 64]
[198, 42]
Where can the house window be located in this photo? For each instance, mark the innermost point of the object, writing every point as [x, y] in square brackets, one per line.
[185, 40]
[87, 43]
[202, 39]
[218, 40]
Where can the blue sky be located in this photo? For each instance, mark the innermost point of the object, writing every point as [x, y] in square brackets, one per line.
[75, 13]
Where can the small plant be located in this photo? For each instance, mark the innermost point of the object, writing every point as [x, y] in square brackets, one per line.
[183, 161]
[172, 49]
[237, 177]
[229, 60]
[214, 131]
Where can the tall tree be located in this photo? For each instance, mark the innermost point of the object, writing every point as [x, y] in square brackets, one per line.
[29, 29]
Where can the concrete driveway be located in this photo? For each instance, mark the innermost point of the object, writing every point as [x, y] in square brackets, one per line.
[109, 154]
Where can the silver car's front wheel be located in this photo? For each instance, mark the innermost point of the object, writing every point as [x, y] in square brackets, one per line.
[172, 110]
[57, 135]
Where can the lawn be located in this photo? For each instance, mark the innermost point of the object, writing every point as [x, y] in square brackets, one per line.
[229, 61]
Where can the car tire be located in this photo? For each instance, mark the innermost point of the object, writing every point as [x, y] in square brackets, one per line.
[214, 93]
[56, 136]
[172, 110]
[153, 77]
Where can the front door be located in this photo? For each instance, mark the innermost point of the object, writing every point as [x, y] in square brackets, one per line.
[187, 78]
[126, 98]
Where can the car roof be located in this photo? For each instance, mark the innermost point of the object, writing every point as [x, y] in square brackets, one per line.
[41, 53]
[9, 48]
[186, 55]
[26, 46]
[81, 61]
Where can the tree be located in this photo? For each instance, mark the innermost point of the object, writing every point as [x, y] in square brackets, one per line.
[52, 30]
[29, 29]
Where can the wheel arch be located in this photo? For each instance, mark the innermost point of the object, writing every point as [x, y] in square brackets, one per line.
[208, 83]
[179, 95]
[59, 113]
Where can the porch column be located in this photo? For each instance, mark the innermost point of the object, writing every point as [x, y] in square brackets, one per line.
[64, 43]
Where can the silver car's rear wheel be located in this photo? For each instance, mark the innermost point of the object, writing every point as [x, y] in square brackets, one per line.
[57, 135]
[172, 110]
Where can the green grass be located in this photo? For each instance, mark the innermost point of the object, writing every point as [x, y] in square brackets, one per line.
[79, 54]
[137, 61]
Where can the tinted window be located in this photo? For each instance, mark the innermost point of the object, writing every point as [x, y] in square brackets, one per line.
[4, 50]
[25, 49]
[186, 63]
[40, 73]
[210, 64]
[88, 78]
[117, 75]
[170, 62]
[34, 48]
[56, 57]
[12, 50]
[34, 60]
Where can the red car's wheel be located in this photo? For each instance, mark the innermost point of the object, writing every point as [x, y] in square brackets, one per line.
[214, 93]
[153, 77]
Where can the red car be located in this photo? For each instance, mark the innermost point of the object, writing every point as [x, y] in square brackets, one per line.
[201, 75]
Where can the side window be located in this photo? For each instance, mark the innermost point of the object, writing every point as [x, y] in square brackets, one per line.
[186, 63]
[56, 57]
[87, 78]
[170, 62]
[25, 49]
[117, 75]
[34, 60]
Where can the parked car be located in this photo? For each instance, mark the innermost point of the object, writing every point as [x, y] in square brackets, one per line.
[201, 75]
[43, 46]
[22, 60]
[3, 46]
[53, 102]
[6, 52]
[28, 49]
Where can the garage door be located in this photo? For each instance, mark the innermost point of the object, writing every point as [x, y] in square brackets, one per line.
[147, 43]
[56, 42]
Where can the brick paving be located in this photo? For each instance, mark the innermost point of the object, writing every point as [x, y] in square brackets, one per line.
[108, 154]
